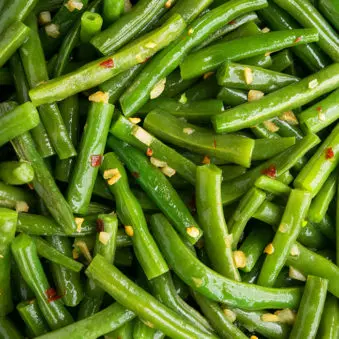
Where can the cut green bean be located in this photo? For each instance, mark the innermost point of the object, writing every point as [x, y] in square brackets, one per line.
[281, 61]
[8, 330]
[143, 331]
[273, 186]
[112, 10]
[16, 173]
[90, 25]
[328, 328]
[123, 332]
[267, 148]
[330, 10]
[232, 97]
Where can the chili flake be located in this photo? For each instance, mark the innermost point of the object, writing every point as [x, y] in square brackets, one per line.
[109, 63]
[329, 154]
[96, 160]
[100, 227]
[298, 39]
[271, 171]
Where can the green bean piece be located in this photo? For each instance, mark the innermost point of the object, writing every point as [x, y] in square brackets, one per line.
[16, 172]
[112, 10]
[126, 131]
[317, 170]
[11, 39]
[311, 263]
[328, 328]
[310, 309]
[247, 77]
[19, 285]
[124, 257]
[143, 331]
[164, 290]
[8, 222]
[99, 71]
[207, 88]
[295, 95]
[254, 245]
[15, 11]
[273, 186]
[311, 54]
[322, 200]
[252, 320]
[47, 5]
[133, 218]
[91, 150]
[233, 148]
[252, 276]
[69, 109]
[232, 97]
[247, 206]
[281, 61]
[218, 241]
[105, 245]
[16, 195]
[8, 330]
[196, 63]
[308, 16]
[31, 315]
[267, 148]
[116, 86]
[330, 10]
[148, 176]
[214, 313]
[286, 128]
[211, 284]
[6, 78]
[26, 256]
[123, 332]
[141, 89]
[90, 25]
[94, 326]
[47, 251]
[230, 172]
[68, 284]
[290, 226]
[139, 301]
[44, 184]
[17, 121]
[280, 164]
[123, 240]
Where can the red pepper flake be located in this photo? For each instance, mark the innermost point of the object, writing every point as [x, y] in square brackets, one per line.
[50, 292]
[298, 39]
[109, 63]
[192, 204]
[329, 154]
[271, 171]
[100, 227]
[135, 175]
[233, 22]
[56, 297]
[319, 109]
[149, 152]
[215, 143]
[96, 160]
[30, 186]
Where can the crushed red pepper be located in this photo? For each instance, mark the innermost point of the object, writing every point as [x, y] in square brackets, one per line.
[109, 63]
[233, 22]
[298, 39]
[149, 152]
[271, 171]
[96, 160]
[329, 154]
[52, 295]
[100, 227]
[319, 109]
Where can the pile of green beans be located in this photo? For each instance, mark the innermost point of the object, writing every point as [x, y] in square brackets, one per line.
[169, 169]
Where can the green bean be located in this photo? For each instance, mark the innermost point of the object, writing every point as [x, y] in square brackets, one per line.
[328, 328]
[90, 25]
[133, 218]
[232, 97]
[44, 184]
[94, 326]
[311, 55]
[15, 11]
[281, 61]
[31, 315]
[105, 245]
[252, 321]
[126, 131]
[143, 331]
[19, 285]
[16, 173]
[91, 150]
[8, 221]
[6, 78]
[273, 186]
[149, 177]
[286, 128]
[124, 257]
[290, 226]
[139, 301]
[112, 10]
[123, 332]
[207, 88]
[11, 39]
[8, 330]
[230, 172]
[314, 174]
[211, 284]
[105, 68]
[330, 10]
[295, 95]
[248, 205]
[252, 276]
[196, 63]
[310, 309]
[311, 263]
[234, 148]
[254, 245]
[218, 242]
[250, 77]
[47, 5]
[47, 251]
[308, 16]
[267, 148]
[164, 290]
[26, 256]
[139, 92]
[213, 312]
[279, 165]
[17, 121]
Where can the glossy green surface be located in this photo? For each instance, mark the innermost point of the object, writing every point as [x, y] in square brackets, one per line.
[268, 148]
[329, 324]
[16, 173]
[90, 25]
[330, 10]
